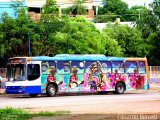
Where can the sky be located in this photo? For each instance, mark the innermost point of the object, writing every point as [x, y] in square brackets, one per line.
[133, 2]
[138, 2]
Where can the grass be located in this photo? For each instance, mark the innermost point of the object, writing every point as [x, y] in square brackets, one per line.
[10, 113]
[57, 113]
[13, 114]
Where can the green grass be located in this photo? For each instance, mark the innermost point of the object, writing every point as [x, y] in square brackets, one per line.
[52, 113]
[14, 114]
[9, 113]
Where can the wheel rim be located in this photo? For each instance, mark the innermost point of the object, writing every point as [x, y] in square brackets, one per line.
[52, 91]
[120, 88]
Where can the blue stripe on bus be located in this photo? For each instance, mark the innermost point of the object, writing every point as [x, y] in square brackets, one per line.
[78, 58]
[23, 89]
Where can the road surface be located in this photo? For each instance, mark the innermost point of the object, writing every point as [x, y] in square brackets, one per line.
[86, 104]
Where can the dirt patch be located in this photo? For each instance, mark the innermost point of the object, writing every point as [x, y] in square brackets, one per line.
[115, 108]
[80, 117]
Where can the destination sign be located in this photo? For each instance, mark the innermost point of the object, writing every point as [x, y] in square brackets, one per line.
[17, 61]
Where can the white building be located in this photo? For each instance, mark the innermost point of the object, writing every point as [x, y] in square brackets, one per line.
[36, 5]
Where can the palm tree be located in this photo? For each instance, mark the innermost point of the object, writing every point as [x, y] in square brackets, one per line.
[77, 9]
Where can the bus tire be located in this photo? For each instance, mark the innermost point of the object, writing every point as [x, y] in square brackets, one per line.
[120, 88]
[51, 90]
[33, 95]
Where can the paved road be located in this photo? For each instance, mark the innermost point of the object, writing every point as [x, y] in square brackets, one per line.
[128, 103]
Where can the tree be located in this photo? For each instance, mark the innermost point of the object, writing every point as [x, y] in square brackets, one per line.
[128, 38]
[111, 46]
[156, 7]
[50, 8]
[134, 13]
[78, 36]
[114, 6]
[14, 35]
[149, 25]
[52, 35]
[77, 9]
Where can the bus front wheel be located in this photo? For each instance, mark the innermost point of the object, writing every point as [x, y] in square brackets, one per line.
[120, 88]
[51, 90]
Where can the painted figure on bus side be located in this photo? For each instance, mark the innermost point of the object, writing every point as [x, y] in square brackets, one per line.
[112, 79]
[95, 77]
[45, 67]
[115, 77]
[51, 77]
[133, 78]
[102, 85]
[137, 80]
[73, 79]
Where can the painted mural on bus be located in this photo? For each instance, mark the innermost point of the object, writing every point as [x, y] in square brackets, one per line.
[79, 73]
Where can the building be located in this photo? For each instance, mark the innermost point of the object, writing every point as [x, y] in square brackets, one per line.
[6, 7]
[36, 5]
[68, 3]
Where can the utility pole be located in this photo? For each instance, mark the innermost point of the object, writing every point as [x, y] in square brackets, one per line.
[97, 10]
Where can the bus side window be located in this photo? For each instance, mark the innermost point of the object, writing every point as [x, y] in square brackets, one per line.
[91, 67]
[33, 71]
[63, 67]
[118, 67]
[79, 66]
[105, 66]
[46, 67]
[131, 66]
[141, 67]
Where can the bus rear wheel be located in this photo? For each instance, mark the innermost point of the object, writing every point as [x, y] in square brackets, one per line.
[51, 90]
[120, 88]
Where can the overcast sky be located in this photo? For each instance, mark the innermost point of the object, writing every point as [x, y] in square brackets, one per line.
[132, 2]
[138, 2]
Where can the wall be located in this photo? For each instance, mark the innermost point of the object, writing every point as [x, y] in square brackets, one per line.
[5, 6]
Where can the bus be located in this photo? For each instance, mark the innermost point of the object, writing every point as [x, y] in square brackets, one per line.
[66, 73]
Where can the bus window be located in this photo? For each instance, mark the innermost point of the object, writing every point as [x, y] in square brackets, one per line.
[105, 66]
[46, 66]
[33, 71]
[79, 66]
[131, 67]
[16, 72]
[63, 67]
[141, 67]
[117, 67]
[91, 67]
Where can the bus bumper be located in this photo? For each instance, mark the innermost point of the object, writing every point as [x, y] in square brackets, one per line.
[23, 89]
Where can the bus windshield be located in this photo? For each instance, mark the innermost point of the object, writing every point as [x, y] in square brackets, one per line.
[16, 72]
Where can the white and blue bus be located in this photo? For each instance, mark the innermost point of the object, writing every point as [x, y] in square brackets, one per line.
[65, 73]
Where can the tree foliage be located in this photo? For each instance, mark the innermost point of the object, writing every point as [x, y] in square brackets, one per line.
[54, 34]
[128, 38]
[149, 25]
[113, 9]
[77, 9]
[117, 7]
[134, 13]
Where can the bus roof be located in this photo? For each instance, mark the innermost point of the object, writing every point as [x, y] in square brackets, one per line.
[85, 57]
[136, 59]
